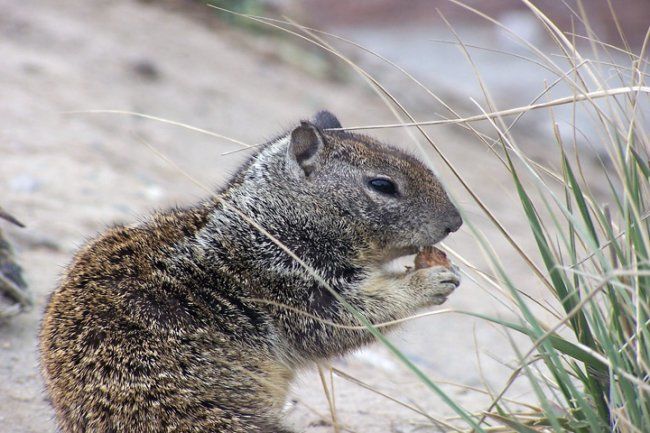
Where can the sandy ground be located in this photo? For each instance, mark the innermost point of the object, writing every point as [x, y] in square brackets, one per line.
[69, 175]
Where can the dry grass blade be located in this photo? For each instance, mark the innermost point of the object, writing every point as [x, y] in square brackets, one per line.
[435, 421]
[636, 57]
[352, 327]
[497, 51]
[512, 111]
[167, 121]
[330, 399]
[491, 280]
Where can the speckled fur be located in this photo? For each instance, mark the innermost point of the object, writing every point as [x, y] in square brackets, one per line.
[161, 326]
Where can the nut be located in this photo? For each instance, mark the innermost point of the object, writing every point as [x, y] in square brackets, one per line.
[429, 257]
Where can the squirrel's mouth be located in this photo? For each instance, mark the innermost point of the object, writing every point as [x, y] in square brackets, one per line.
[400, 259]
[401, 252]
[409, 247]
[415, 257]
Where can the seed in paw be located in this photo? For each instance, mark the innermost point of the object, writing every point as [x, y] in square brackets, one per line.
[431, 256]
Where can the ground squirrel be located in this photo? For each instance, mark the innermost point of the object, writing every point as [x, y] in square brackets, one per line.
[194, 321]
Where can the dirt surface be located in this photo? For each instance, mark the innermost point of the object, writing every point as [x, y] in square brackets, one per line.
[67, 176]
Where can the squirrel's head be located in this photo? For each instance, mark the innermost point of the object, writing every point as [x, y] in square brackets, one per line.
[398, 203]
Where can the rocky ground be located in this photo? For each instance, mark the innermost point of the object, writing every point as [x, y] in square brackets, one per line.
[67, 175]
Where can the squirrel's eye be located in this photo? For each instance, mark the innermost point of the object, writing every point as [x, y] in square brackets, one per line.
[384, 186]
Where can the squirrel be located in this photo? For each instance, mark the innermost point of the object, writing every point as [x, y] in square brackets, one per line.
[197, 321]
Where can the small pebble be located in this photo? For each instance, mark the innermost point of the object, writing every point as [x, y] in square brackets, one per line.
[146, 69]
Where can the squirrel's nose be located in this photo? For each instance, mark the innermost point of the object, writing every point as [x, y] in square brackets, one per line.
[454, 222]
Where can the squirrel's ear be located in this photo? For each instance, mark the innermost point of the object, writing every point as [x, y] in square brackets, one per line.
[326, 120]
[306, 144]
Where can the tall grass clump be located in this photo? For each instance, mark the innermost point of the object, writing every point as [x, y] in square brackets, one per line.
[595, 256]
[596, 264]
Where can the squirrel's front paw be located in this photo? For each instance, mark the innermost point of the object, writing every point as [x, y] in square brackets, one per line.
[435, 284]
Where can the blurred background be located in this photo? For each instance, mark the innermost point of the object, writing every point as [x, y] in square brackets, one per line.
[67, 172]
